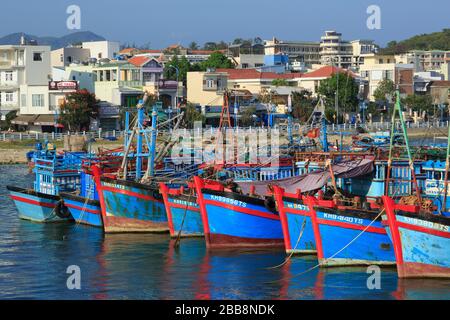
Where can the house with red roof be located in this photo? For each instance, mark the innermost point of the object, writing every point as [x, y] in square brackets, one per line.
[206, 88]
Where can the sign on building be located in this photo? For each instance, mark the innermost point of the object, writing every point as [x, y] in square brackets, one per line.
[62, 85]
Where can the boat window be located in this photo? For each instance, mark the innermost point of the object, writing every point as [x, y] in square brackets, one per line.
[437, 175]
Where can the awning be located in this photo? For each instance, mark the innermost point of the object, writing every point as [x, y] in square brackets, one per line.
[45, 120]
[24, 119]
[314, 180]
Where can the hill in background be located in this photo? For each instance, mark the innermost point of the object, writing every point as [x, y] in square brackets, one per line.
[430, 41]
[54, 42]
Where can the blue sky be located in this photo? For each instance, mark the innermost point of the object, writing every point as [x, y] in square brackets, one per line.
[165, 22]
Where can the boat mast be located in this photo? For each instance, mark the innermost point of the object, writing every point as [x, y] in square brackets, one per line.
[447, 165]
[398, 108]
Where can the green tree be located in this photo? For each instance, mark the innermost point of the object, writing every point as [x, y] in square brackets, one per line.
[302, 105]
[419, 103]
[385, 88]
[78, 109]
[183, 66]
[191, 115]
[246, 118]
[347, 89]
[193, 45]
[217, 60]
[5, 125]
[280, 82]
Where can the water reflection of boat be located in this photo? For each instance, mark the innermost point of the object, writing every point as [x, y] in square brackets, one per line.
[422, 289]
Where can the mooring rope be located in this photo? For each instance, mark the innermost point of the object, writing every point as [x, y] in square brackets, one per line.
[334, 255]
[293, 250]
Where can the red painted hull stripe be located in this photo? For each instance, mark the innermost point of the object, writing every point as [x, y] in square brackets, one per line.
[242, 210]
[36, 203]
[81, 208]
[433, 232]
[182, 206]
[129, 193]
[350, 226]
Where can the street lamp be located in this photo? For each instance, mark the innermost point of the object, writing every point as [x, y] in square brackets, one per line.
[177, 71]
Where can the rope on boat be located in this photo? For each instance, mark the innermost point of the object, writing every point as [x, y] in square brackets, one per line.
[293, 250]
[334, 255]
[83, 209]
[178, 240]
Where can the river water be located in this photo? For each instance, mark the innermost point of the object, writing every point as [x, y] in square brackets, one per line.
[34, 259]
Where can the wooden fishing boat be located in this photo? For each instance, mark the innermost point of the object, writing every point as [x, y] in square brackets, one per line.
[421, 240]
[54, 173]
[234, 220]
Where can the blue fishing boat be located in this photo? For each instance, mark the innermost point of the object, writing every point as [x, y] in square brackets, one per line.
[350, 236]
[54, 173]
[421, 240]
[232, 220]
[183, 212]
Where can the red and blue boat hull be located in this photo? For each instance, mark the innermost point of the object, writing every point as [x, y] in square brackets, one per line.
[129, 206]
[37, 206]
[83, 210]
[296, 222]
[183, 213]
[421, 241]
[346, 236]
[232, 220]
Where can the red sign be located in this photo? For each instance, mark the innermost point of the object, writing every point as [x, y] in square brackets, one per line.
[63, 85]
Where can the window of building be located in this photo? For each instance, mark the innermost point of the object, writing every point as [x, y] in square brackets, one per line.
[61, 57]
[37, 56]
[210, 83]
[8, 76]
[37, 100]
[99, 55]
[9, 97]
[23, 97]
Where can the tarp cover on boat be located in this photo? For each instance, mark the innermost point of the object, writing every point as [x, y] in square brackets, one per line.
[314, 180]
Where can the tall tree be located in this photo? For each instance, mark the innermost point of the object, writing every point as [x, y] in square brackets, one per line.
[217, 60]
[385, 89]
[78, 109]
[183, 66]
[302, 105]
[345, 86]
[193, 45]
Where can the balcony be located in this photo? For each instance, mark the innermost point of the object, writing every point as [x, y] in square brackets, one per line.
[134, 83]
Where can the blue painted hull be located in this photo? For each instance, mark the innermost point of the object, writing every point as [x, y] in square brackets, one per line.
[239, 221]
[84, 211]
[421, 244]
[297, 227]
[35, 206]
[186, 219]
[131, 207]
[347, 239]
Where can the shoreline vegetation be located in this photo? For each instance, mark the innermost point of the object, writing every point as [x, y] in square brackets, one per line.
[14, 152]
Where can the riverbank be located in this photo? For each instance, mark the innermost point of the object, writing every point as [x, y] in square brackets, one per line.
[14, 152]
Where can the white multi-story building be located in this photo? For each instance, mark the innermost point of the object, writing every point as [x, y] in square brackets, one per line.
[24, 75]
[102, 49]
[335, 51]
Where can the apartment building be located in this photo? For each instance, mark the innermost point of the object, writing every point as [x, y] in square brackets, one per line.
[24, 75]
[334, 51]
[377, 68]
[432, 60]
[306, 53]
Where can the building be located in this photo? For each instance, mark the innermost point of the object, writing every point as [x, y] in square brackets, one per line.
[377, 68]
[422, 80]
[334, 51]
[206, 88]
[65, 56]
[247, 55]
[24, 76]
[362, 49]
[440, 92]
[102, 49]
[306, 53]
[82, 74]
[425, 60]
[122, 83]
